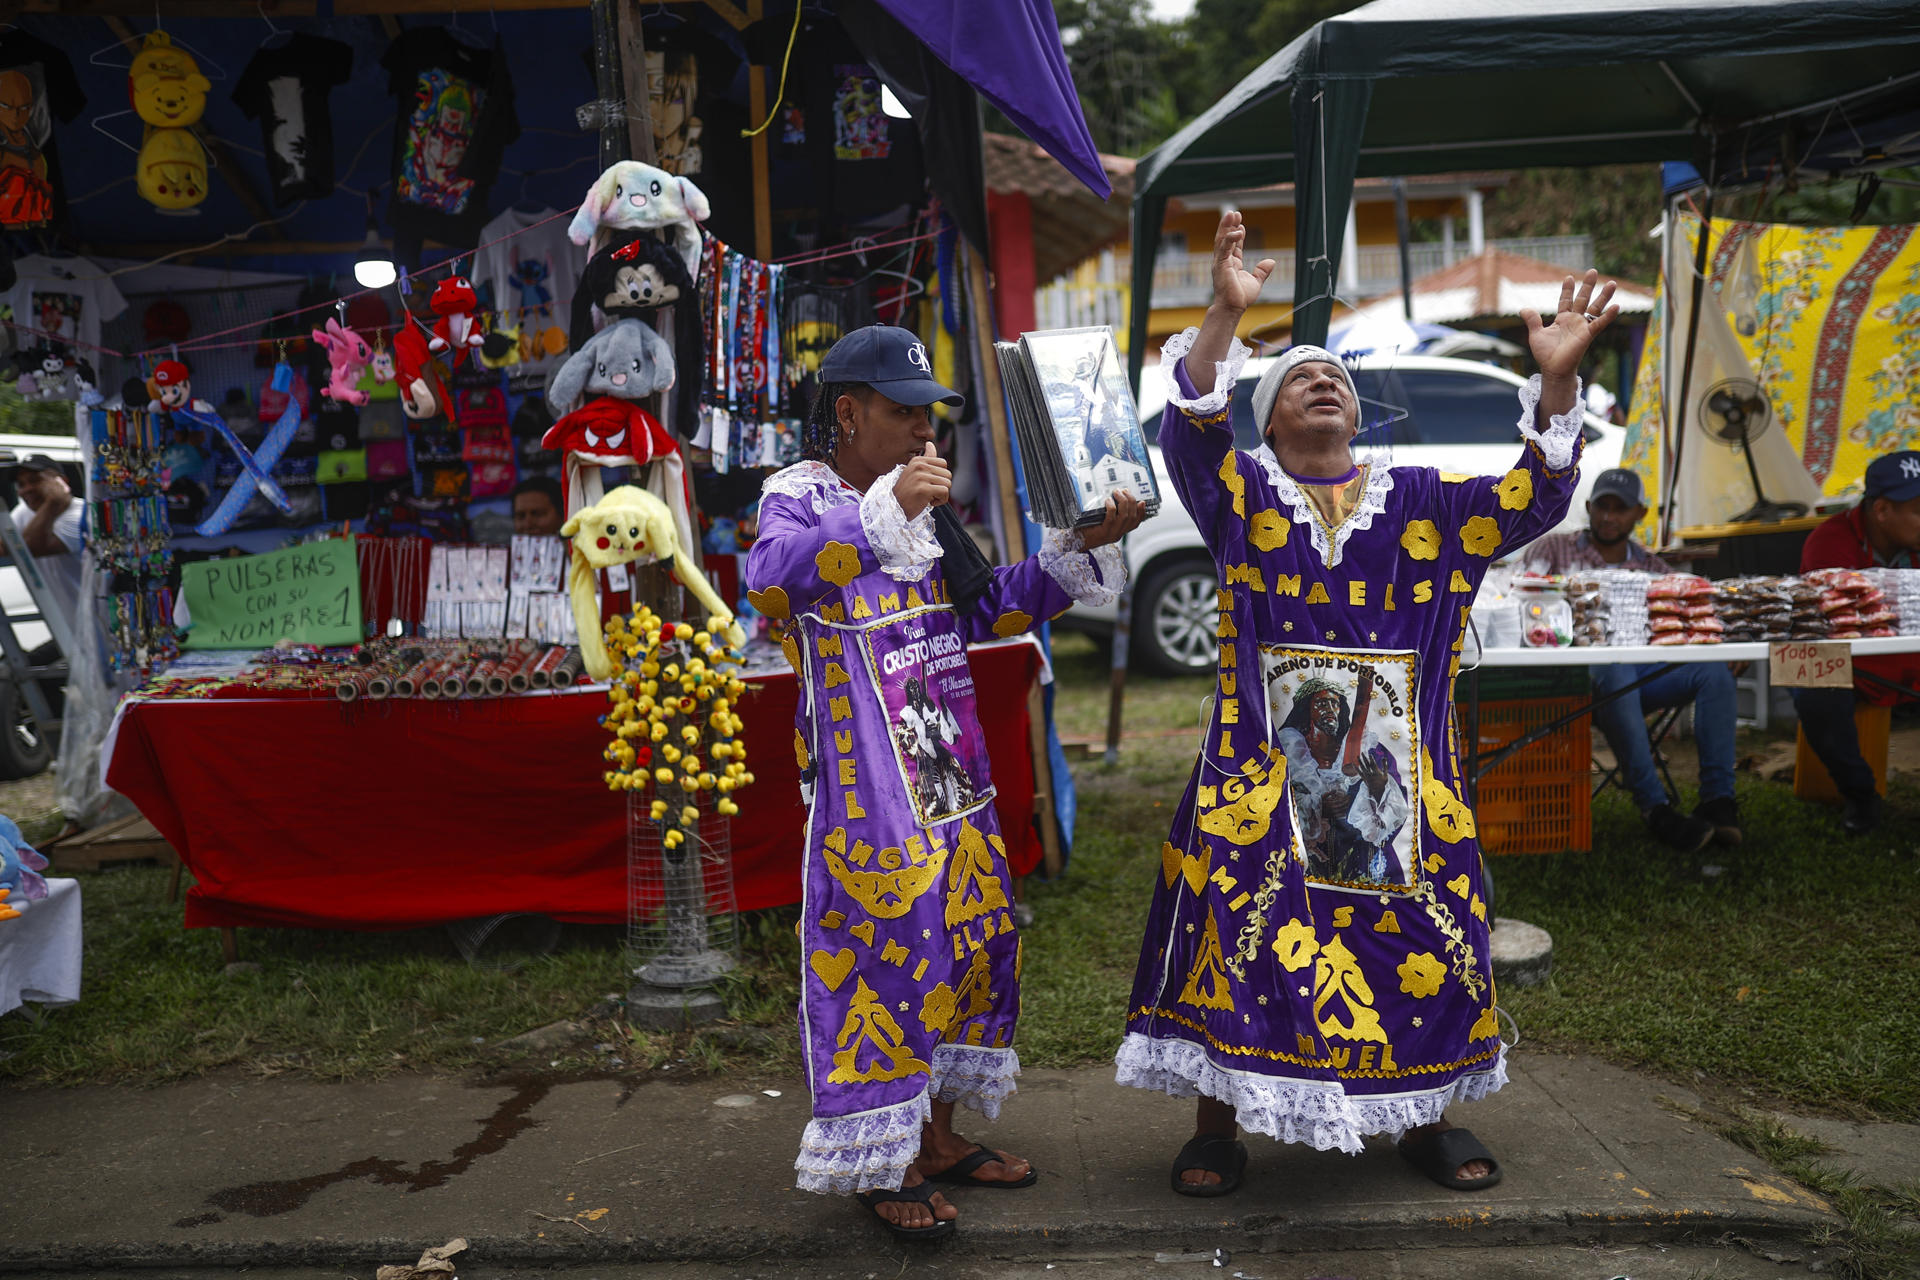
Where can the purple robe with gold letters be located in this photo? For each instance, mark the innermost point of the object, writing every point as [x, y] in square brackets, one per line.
[1316, 952]
[910, 987]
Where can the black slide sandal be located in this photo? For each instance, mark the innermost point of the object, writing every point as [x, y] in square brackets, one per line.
[922, 1194]
[960, 1173]
[1441, 1154]
[1210, 1153]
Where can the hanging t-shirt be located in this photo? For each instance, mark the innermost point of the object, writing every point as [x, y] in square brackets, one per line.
[285, 89]
[37, 87]
[456, 118]
[528, 267]
[699, 109]
[64, 300]
[857, 161]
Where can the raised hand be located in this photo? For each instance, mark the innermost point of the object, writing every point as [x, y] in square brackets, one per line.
[1236, 288]
[1586, 308]
[925, 483]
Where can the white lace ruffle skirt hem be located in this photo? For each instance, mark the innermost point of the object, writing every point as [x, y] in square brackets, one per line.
[1319, 1113]
[841, 1155]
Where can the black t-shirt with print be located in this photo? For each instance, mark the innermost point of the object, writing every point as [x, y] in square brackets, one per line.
[285, 89]
[456, 118]
[37, 87]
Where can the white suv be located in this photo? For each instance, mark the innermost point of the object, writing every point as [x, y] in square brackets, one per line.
[1461, 416]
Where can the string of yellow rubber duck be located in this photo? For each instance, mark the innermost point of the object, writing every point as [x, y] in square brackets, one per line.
[673, 719]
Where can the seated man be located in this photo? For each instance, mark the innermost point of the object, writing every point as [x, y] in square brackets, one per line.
[1882, 532]
[1614, 507]
[538, 508]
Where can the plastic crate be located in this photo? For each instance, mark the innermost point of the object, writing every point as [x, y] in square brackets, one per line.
[1540, 800]
[1811, 781]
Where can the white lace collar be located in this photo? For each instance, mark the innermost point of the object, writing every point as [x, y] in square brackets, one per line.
[819, 484]
[1373, 499]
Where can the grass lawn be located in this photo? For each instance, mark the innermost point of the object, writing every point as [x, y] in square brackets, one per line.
[1791, 976]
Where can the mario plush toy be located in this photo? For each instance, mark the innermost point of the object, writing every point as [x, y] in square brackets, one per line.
[170, 387]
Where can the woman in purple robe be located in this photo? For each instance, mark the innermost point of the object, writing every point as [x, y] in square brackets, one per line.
[1316, 962]
[910, 990]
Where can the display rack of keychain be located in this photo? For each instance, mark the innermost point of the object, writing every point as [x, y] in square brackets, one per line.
[129, 534]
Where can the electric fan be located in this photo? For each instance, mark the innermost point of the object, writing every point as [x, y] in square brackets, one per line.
[1735, 412]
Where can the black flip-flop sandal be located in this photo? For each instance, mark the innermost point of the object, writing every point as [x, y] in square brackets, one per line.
[960, 1172]
[1210, 1153]
[1441, 1154]
[922, 1194]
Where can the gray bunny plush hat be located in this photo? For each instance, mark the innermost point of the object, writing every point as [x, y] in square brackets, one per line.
[626, 360]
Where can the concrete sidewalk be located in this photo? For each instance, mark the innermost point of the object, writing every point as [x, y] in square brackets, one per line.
[232, 1172]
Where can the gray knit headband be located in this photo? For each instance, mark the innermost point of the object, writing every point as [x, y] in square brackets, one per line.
[1267, 390]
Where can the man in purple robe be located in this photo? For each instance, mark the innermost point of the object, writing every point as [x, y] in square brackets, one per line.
[910, 989]
[1316, 960]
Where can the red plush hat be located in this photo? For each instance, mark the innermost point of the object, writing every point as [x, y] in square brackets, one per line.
[169, 373]
[166, 321]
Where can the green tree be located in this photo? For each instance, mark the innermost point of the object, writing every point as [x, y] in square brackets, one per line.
[1615, 204]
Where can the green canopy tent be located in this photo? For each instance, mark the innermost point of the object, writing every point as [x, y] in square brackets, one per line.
[1421, 86]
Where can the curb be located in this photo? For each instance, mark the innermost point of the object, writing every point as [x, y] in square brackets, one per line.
[1474, 1226]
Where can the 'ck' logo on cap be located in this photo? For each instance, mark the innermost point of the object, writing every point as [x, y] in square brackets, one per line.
[917, 357]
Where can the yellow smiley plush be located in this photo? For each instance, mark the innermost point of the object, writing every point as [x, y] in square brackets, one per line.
[165, 83]
[171, 172]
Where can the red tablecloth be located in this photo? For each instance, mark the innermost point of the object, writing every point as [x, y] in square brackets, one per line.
[403, 813]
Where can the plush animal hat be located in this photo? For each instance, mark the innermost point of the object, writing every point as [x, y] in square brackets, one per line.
[631, 196]
[633, 274]
[627, 524]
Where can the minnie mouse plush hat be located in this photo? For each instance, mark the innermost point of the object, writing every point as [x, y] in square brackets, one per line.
[169, 373]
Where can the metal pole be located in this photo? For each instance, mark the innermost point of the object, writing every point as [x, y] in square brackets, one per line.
[1403, 231]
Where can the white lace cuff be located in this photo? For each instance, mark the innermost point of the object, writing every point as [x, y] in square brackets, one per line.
[905, 548]
[1090, 577]
[1226, 374]
[1563, 429]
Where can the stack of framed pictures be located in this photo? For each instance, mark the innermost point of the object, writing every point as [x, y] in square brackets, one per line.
[1079, 435]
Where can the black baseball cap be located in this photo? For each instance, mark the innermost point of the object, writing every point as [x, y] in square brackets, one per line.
[1896, 477]
[1622, 484]
[892, 361]
[37, 462]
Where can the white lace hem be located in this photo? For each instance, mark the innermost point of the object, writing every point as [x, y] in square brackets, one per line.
[977, 1078]
[1563, 429]
[905, 548]
[1373, 500]
[1090, 577]
[841, 1155]
[1320, 1114]
[1226, 373]
[814, 482]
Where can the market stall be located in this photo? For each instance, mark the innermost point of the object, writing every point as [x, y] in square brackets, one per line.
[411, 363]
[1527, 748]
[390, 814]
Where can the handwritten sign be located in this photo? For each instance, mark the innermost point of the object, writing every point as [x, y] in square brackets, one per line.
[1810, 664]
[308, 594]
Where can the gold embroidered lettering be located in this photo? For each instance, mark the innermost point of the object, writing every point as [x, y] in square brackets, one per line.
[1423, 591]
[1319, 594]
[841, 709]
[1286, 584]
[1356, 592]
[847, 771]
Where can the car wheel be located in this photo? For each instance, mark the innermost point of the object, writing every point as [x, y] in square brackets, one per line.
[24, 749]
[1174, 619]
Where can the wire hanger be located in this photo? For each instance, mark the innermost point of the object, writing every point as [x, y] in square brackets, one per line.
[273, 32]
[469, 38]
[136, 41]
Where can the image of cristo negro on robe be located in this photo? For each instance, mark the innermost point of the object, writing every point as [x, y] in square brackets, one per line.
[1348, 741]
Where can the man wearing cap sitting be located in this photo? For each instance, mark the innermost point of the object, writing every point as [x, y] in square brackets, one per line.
[1882, 532]
[1615, 505]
